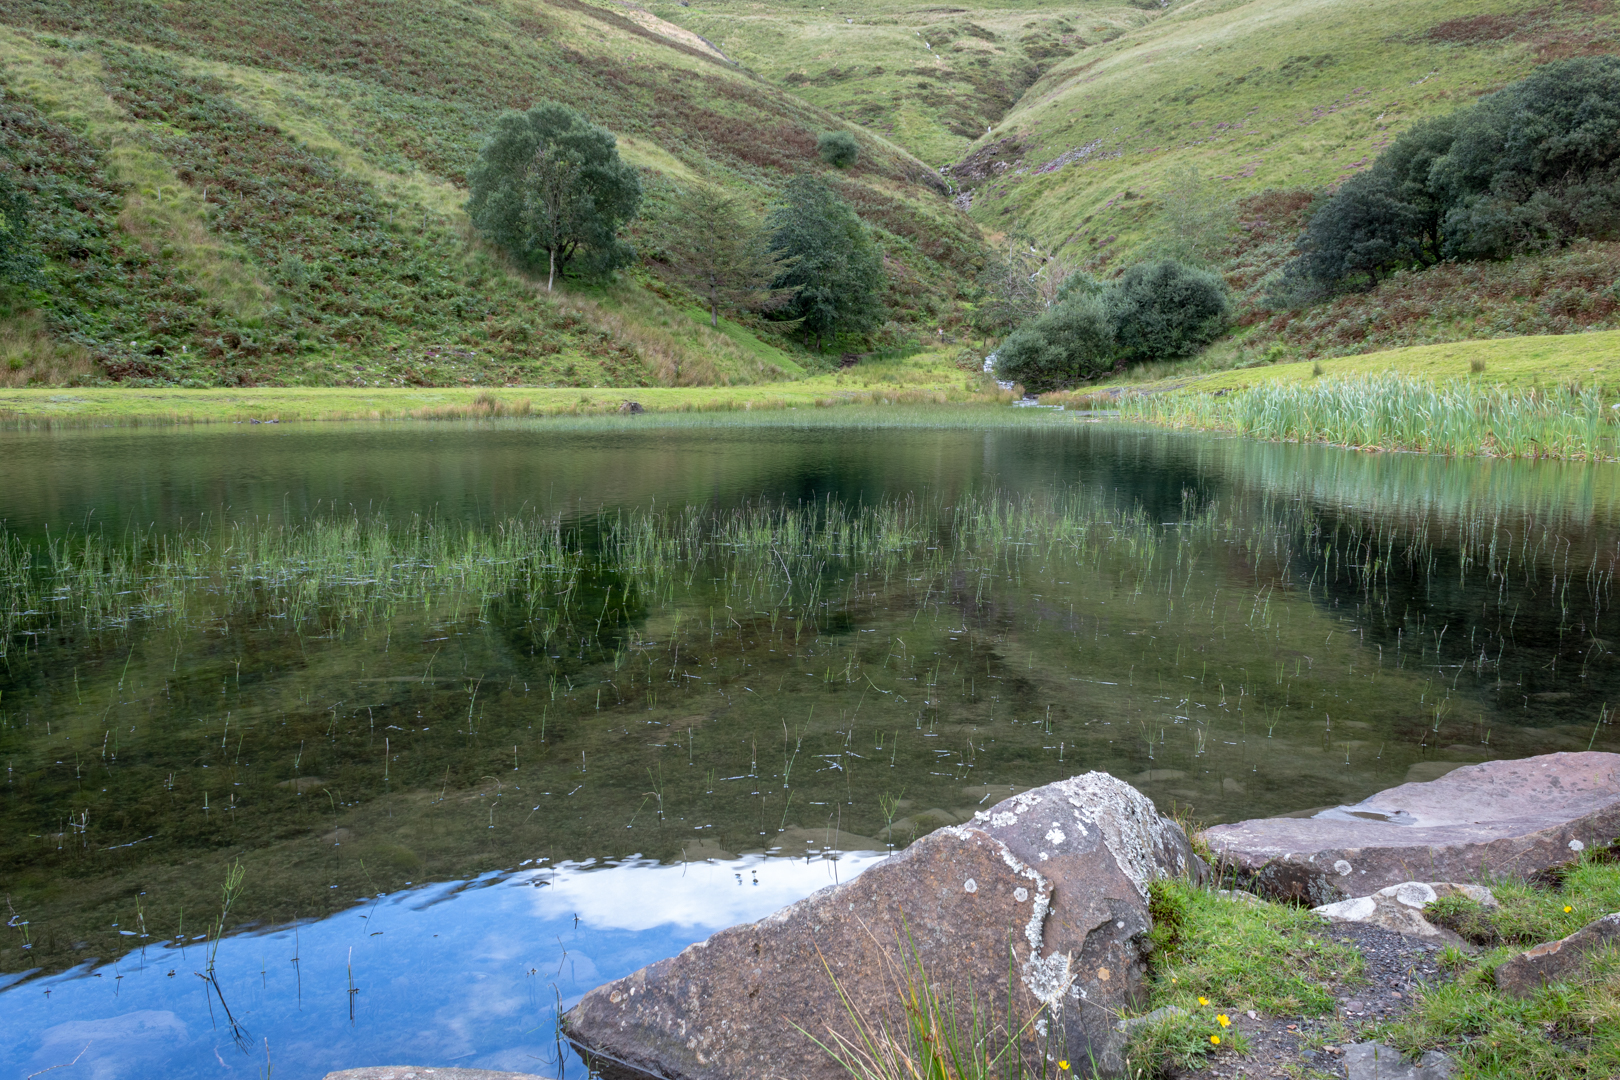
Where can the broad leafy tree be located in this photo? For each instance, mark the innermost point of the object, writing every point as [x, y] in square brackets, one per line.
[833, 271]
[549, 189]
[1165, 310]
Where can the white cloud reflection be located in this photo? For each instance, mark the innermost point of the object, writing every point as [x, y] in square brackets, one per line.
[640, 895]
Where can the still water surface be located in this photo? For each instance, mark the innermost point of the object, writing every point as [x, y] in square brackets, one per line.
[489, 713]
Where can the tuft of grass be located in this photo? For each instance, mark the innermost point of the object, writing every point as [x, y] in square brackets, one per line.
[944, 1034]
[1214, 955]
[1240, 955]
[1583, 890]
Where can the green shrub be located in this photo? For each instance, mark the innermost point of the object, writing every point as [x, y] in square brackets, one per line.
[1154, 311]
[1525, 169]
[1166, 309]
[838, 148]
[1071, 340]
[1535, 164]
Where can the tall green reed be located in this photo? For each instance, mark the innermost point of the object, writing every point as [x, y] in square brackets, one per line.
[1394, 412]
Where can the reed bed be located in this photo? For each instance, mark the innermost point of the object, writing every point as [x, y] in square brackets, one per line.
[1392, 412]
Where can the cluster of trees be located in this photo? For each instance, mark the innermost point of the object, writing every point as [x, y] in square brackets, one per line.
[1156, 310]
[550, 190]
[1527, 168]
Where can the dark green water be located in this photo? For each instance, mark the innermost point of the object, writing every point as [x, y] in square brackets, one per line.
[355, 657]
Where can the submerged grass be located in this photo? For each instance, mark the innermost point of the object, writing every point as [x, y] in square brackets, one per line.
[440, 697]
[1392, 412]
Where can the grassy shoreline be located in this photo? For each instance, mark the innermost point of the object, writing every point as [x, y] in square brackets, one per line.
[1529, 397]
[883, 384]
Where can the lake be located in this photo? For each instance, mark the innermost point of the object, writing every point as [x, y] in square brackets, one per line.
[331, 745]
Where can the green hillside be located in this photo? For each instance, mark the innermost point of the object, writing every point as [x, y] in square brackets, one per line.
[270, 192]
[1256, 95]
[1206, 124]
[933, 79]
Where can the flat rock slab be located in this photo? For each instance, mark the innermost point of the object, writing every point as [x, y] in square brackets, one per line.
[418, 1072]
[1375, 1061]
[1497, 818]
[1556, 961]
[1400, 908]
[1038, 903]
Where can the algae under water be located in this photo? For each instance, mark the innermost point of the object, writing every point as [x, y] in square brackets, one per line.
[375, 663]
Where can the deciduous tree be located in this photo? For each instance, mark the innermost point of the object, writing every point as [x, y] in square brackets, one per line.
[549, 187]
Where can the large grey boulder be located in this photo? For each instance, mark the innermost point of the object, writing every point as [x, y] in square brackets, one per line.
[1039, 902]
[1497, 818]
[1555, 961]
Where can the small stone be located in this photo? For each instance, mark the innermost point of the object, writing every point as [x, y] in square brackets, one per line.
[1400, 908]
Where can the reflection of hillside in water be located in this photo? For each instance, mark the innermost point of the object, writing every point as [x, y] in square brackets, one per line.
[1239, 630]
[1496, 575]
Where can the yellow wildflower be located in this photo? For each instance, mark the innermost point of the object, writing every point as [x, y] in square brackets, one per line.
[1203, 1001]
[1223, 1021]
[1216, 1039]
[1568, 909]
[1064, 1065]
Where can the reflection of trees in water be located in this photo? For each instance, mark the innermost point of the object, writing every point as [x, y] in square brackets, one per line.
[1511, 614]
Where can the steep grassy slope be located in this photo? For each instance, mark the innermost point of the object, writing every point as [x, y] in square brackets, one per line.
[930, 78]
[1256, 95]
[267, 191]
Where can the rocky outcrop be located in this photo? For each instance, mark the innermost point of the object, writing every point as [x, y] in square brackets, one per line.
[1501, 817]
[1400, 908]
[1039, 903]
[1556, 961]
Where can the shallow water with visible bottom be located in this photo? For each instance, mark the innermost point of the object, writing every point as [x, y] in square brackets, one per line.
[339, 745]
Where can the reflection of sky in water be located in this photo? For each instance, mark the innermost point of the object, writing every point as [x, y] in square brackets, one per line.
[466, 973]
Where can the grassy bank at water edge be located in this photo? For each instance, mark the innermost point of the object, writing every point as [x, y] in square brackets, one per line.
[912, 382]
